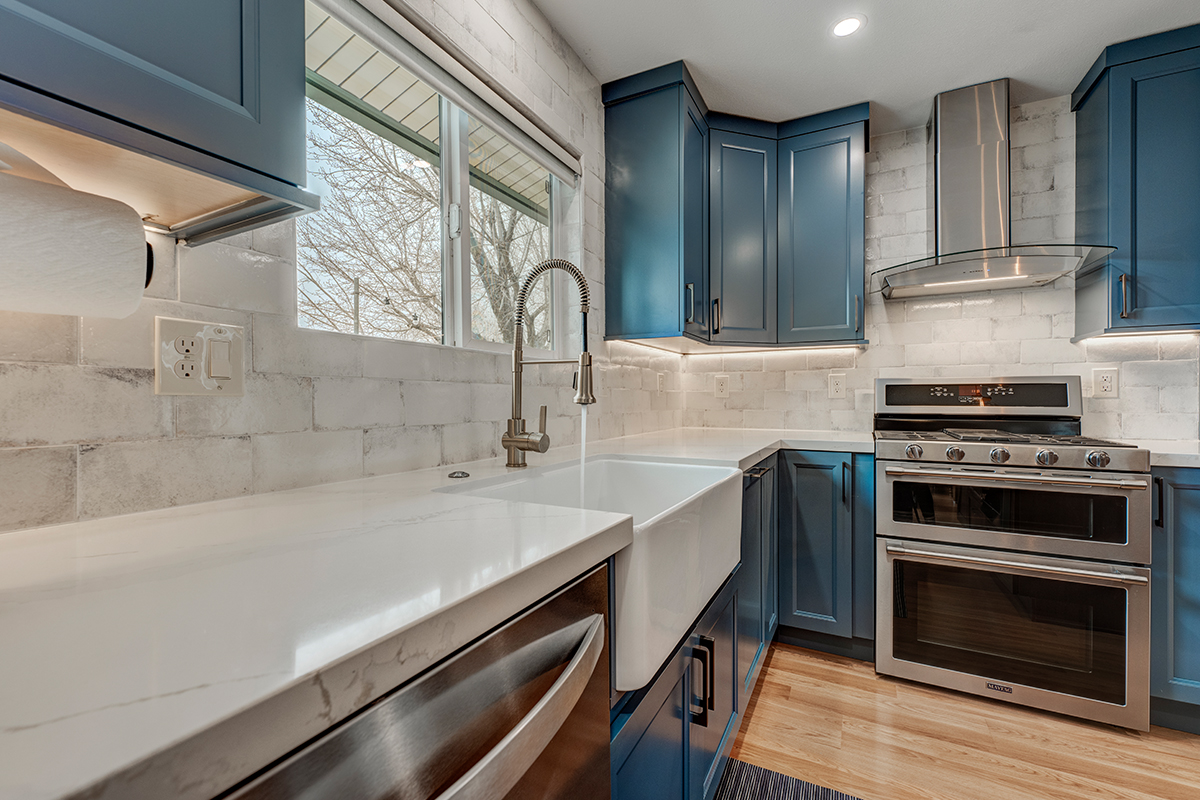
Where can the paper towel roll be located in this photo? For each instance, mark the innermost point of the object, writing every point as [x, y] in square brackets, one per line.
[67, 252]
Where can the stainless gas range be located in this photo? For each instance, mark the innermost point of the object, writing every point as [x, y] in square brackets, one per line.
[1012, 551]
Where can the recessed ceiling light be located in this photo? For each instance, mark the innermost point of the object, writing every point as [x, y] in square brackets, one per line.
[849, 25]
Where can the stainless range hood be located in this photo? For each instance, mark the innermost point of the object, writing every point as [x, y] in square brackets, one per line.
[969, 195]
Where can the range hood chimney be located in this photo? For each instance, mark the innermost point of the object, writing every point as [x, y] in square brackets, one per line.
[969, 195]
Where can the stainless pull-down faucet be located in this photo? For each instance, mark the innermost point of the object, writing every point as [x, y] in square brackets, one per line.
[517, 441]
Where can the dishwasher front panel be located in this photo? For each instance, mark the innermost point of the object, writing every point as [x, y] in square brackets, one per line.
[521, 713]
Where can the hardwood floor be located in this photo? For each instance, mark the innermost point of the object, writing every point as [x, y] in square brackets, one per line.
[832, 721]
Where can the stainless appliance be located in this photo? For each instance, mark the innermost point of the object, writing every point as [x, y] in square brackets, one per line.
[1012, 551]
[521, 713]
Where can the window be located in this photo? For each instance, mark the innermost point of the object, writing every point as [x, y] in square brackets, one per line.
[400, 168]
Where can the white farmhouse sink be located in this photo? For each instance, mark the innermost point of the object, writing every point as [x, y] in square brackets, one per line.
[686, 540]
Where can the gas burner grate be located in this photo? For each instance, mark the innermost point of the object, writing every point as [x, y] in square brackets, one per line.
[968, 435]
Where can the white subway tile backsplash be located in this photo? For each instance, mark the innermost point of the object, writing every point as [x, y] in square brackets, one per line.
[218, 274]
[291, 460]
[126, 477]
[272, 404]
[388, 450]
[38, 337]
[356, 403]
[39, 486]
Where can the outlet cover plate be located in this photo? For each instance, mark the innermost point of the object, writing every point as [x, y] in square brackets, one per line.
[837, 387]
[721, 385]
[168, 332]
[1106, 383]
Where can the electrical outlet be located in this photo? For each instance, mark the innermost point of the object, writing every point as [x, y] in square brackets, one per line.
[1105, 382]
[722, 385]
[662, 382]
[204, 358]
[837, 387]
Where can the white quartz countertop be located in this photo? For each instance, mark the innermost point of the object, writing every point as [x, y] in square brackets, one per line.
[1172, 453]
[171, 653]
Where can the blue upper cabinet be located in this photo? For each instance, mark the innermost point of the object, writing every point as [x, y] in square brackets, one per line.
[821, 211]
[742, 239]
[1138, 174]
[656, 261]
[225, 77]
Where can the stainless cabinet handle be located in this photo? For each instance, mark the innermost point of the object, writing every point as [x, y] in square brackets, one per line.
[710, 644]
[1112, 577]
[690, 288]
[702, 655]
[1124, 296]
[716, 319]
[498, 772]
[1010, 478]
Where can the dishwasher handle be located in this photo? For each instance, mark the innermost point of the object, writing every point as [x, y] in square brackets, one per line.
[498, 772]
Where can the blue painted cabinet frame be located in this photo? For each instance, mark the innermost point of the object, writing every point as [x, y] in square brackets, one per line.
[225, 77]
[758, 598]
[1138, 175]
[672, 738]
[1175, 600]
[821, 235]
[742, 250]
[655, 238]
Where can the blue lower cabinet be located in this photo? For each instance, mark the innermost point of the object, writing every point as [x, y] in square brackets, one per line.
[672, 738]
[1175, 601]
[758, 596]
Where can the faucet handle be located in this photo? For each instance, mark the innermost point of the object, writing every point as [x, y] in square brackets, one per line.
[542, 420]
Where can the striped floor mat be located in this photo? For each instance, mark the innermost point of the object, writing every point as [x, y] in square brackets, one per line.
[744, 781]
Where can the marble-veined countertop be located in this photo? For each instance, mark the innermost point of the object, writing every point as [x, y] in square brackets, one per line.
[171, 653]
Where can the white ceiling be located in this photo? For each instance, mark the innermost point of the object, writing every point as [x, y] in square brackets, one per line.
[777, 60]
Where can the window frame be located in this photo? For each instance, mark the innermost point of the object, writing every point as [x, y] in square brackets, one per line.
[455, 176]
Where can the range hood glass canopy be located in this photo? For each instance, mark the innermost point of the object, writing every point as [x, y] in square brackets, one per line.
[983, 270]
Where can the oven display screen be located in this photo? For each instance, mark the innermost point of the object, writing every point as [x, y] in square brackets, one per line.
[1013, 395]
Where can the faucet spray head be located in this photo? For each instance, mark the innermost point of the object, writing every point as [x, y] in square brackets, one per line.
[583, 381]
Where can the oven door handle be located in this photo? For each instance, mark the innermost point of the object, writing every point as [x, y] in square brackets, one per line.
[1111, 577]
[1008, 477]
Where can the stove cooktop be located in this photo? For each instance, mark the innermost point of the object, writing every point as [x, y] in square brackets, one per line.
[997, 437]
[1004, 449]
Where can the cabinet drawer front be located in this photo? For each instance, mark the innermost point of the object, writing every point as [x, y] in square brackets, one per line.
[1175, 588]
[223, 76]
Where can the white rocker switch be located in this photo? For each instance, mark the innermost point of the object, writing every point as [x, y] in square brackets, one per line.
[219, 366]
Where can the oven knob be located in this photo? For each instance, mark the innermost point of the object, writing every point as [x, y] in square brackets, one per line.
[1000, 455]
[1047, 458]
[914, 451]
[954, 453]
[1097, 458]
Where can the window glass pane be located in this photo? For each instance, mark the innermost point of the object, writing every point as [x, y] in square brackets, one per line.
[373, 147]
[510, 232]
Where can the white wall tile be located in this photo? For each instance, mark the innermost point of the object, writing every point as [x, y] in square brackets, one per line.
[38, 337]
[39, 486]
[272, 404]
[387, 450]
[290, 460]
[356, 403]
[280, 346]
[136, 476]
[217, 274]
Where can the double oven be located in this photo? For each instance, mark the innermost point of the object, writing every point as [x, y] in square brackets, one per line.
[1012, 552]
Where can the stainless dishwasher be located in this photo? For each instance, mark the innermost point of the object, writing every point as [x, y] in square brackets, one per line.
[521, 713]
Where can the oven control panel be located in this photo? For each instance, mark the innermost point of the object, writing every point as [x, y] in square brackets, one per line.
[1012, 395]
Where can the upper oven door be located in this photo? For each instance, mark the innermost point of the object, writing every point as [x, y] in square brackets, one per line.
[1103, 517]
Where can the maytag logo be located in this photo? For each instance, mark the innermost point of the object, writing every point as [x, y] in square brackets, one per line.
[995, 687]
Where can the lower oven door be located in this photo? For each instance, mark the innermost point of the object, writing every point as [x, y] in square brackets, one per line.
[1057, 634]
[1103, 517]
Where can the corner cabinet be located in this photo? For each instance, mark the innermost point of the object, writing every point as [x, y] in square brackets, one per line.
[822, 208]
[656, 264]
[826, 553]
[758, 593]
[225, 77]
[727, 230]
[671, 739]
[1138, 185]
[742, 238]
[1175, 600]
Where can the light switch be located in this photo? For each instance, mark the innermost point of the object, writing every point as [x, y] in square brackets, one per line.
[218, 360]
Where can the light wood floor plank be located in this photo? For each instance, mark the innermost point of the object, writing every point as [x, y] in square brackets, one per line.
[834, 722]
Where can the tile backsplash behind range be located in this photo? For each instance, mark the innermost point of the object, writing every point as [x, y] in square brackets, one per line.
[82, 434]
[1024, 332]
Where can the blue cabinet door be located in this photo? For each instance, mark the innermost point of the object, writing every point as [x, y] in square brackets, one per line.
[821, 253]
[710, 741]
[815, 542]
[864, 546]
[654, 766]
[223, 76]
[655, 216]
[750, 621]
[770, 561]
[1155, 191]
[742, 238]
[1175, 589]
